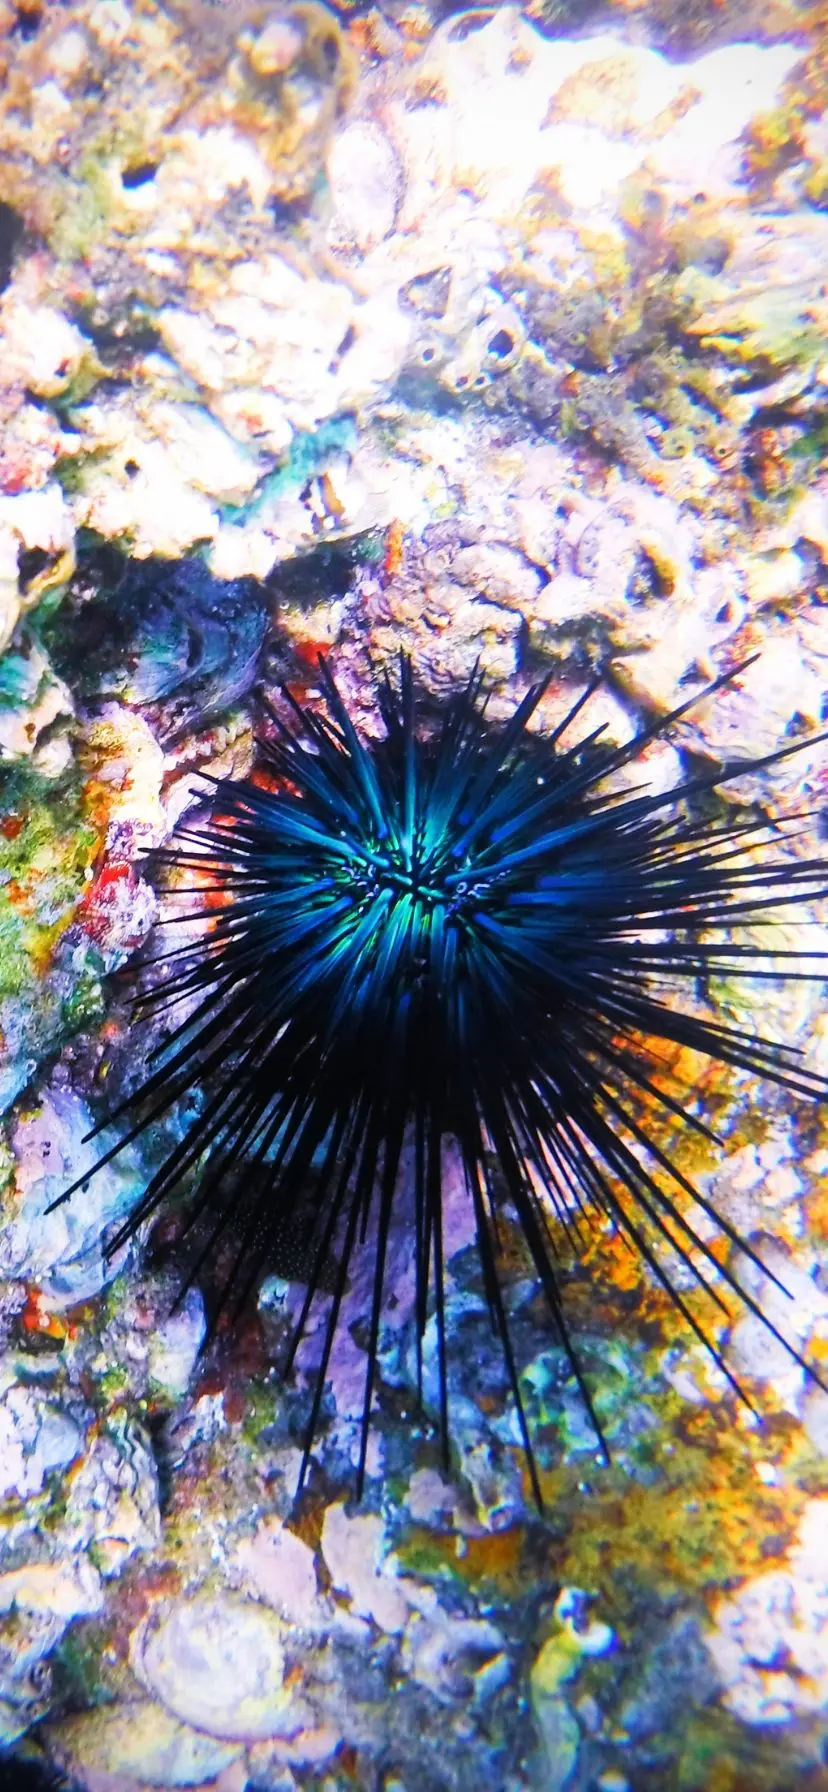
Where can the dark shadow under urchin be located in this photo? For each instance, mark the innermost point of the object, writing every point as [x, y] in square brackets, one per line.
[471, 937]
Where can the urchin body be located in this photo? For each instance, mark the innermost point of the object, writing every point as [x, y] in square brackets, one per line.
[468, 937]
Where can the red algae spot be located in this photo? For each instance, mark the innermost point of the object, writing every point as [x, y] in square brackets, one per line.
[101, 908]
[37, 1320]
[308, 653]
[234, 1404]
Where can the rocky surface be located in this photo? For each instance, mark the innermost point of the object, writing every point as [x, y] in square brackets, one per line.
[300, 352]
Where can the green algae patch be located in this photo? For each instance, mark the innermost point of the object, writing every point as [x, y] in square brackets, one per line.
[77, 1662]
[46, 848]
[306, 458]
[83, 1007]
[719, 1754]
[113, 1386]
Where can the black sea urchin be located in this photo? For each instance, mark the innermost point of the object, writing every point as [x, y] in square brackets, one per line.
[471, 936]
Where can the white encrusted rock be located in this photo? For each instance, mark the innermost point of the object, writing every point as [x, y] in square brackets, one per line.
[769, 1640]
[63, 1250]
[35, 1439]
[366, 182]
[175, 1345]
[62, 1590]
[141, 1742]
[42, 350]
[353, 1551]
[217, 1661]
[113, 1501]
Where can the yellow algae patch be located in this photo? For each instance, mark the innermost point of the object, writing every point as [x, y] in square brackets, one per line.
[494, 1559]
[707, 1519]
[124, 766]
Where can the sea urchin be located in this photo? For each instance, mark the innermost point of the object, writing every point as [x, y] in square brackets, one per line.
[473, 935]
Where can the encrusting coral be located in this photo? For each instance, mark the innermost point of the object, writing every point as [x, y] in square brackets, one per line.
[301, 355]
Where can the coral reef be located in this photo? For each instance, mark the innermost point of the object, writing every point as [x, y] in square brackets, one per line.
[299, 351]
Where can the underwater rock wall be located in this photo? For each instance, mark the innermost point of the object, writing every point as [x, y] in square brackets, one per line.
[498, 337]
